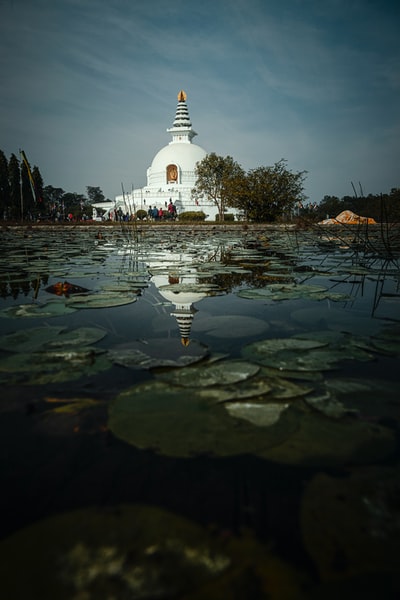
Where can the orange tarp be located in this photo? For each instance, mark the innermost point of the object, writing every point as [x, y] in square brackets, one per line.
[349, 218]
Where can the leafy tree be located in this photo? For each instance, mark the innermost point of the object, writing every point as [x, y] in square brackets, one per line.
[218, 179]
[14, 208]
[28, 197]
[38, 183]
[390, 206]
[74, 203]
[270, 192]
[94, 194]
[4, 186]
[330, 206]
[53, 196]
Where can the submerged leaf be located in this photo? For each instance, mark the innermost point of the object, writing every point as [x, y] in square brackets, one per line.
[319, 441]
[138, 552]
[355, 518]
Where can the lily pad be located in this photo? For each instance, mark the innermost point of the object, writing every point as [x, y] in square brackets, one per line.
[179, 422]
[101, 300]
[159, 352]
[38, 368]
[29, 340]
[82, 336]
[51, 309]
[260, 414]
[248, 389]
[222, 373]
[285, 291]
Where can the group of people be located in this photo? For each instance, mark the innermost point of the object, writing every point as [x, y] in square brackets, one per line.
[157, 214]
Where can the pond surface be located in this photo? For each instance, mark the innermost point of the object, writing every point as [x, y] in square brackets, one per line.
[197, 412]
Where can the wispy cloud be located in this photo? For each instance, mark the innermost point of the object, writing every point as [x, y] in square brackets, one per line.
[89, 86]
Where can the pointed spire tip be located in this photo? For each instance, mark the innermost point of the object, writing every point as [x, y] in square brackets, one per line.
[182, 96]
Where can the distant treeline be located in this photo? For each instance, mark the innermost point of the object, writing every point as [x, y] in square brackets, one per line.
[381, 207]
[23, 195]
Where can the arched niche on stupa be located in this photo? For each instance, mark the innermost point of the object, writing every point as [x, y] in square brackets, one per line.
[172, 173]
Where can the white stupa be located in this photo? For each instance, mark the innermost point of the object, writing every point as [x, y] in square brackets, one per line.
[172, 174]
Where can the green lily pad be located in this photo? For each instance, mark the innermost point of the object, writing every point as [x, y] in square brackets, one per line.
[247, 389]
[259, 414]
[177, 421]
[29, 340]
[303, 354]
[82, 336]
[51, 309]
[327, 404]
[273, 345]
[38, 368]
[100, 300]
[159, 352]
[222, 373]
[284, 291]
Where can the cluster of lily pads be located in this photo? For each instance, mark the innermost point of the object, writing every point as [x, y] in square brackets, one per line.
[273, 402]
[277, 400]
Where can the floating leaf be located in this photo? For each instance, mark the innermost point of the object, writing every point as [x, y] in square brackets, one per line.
[247, 389]
[51, 309]
[273, 345]
[152, 353]
[179, 422]
[37, 368]
[284, 291]
[327, 405]
[101, 300]
[262, 415]
[82, 336]
[29, 340]
[221, 373]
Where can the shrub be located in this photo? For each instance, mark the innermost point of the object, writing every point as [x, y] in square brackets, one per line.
[192, 216]
[227, 217]
[141, 214]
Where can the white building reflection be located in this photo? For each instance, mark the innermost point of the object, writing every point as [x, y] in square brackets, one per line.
[183, 300]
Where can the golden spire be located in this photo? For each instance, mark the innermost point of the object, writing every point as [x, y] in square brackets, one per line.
[182, 96]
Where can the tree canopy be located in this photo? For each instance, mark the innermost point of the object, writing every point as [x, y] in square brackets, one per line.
[219, 180]
[263, 194]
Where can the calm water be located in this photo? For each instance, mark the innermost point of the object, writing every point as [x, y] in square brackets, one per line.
[245, 381]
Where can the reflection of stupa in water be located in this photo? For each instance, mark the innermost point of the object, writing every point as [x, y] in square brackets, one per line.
[172, 286]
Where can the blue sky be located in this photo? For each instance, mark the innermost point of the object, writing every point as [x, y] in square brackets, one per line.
[89, 87]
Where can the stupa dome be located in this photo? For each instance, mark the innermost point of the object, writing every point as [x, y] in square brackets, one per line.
[184, 155]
